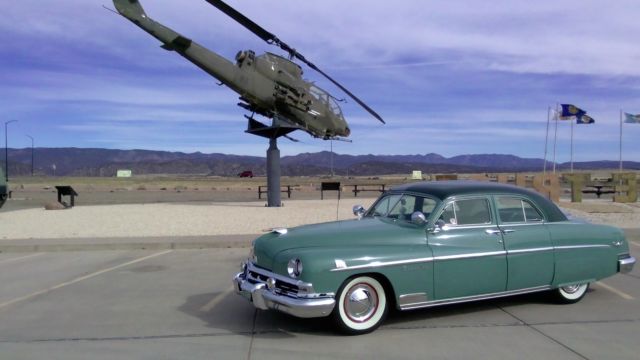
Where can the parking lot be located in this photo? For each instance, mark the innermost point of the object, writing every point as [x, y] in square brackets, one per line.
[179, 304]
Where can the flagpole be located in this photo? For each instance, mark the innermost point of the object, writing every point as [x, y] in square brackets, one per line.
[546, 145]
[572, 145]
[620, 141]
[555, 137]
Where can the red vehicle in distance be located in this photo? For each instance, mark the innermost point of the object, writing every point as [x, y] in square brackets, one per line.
[246, 173]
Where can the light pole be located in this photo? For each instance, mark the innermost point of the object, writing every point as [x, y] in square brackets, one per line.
[30, 137]
[6, 150]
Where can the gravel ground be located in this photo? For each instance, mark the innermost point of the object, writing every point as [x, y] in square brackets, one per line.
[147, 220]
[204, 219]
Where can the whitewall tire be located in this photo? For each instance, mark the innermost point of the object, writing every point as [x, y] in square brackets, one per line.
[361, 305]
[572, 293]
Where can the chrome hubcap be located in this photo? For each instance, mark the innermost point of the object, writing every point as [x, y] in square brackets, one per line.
[361, 302]
[571, 289]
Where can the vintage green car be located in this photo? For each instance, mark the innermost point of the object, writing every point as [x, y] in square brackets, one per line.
[429, 244]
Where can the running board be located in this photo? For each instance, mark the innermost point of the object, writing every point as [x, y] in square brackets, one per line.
[427, 304]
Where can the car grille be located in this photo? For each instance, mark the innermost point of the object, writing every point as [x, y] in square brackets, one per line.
[282, 287]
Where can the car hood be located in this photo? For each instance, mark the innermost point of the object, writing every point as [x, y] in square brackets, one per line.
[367, 231]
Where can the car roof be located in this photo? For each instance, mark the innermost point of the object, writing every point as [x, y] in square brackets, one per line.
[445, 189]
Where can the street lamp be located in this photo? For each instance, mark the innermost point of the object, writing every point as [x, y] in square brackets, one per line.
[30, 137]
[6, 150]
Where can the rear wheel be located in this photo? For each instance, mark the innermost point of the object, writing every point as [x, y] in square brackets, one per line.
[571, 293]
[361, 305]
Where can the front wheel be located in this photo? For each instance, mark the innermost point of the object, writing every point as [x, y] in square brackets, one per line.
[361, 306]
[571, 293]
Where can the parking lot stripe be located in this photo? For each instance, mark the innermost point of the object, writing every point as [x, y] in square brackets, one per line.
[20, 258]
[85, 277]
[216, 300]
[615, 291]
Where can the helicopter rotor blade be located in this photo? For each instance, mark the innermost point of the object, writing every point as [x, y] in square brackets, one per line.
[272, 39]
[351, 95]
[244, 21]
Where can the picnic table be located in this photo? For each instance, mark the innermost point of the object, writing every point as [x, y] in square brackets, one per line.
[368, 187]
[262, 189]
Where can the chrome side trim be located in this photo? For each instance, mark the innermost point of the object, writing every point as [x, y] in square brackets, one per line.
[532, 223]
[433, 303]
[376, 264]
[469, 256]
[384, 263]
[566, 247]
[411, 299]
[524, 251]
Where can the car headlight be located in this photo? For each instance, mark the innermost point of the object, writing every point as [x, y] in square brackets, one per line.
[294, 268]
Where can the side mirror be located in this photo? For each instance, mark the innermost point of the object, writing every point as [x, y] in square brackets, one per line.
[418, 218]
[358, 211]
[439, 226]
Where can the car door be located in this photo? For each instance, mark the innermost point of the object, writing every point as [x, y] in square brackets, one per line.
[530, 256]
[468, 254]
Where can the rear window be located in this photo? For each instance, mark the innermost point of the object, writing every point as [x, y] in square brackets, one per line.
[517, 210]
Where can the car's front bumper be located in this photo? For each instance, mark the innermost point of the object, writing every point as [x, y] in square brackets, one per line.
[625, 265]
[309, 306]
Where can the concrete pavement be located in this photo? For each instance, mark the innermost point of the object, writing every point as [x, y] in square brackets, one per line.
[178, 304]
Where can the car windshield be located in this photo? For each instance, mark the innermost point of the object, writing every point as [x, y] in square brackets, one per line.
[401, 206]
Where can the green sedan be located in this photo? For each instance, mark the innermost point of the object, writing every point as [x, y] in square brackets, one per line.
[429, 244]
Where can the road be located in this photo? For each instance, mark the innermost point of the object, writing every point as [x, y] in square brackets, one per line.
[179, 304]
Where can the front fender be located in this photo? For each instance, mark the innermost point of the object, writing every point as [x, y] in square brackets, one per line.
[408, 269]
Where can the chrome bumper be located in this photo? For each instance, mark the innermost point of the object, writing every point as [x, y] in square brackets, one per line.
[626, 265]
[263, 298]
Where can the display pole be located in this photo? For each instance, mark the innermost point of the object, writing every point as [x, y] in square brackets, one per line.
[555, 139]
[546, 144]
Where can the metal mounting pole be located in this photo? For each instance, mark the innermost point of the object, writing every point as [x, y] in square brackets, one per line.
[273, 174]
[6, 150]
[31, 137]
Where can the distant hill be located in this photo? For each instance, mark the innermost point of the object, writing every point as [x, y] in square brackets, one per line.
[105, 162]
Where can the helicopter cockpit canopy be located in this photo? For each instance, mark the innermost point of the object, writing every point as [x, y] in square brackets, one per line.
[325, 98]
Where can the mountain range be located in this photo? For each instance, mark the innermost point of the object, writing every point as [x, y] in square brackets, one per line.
[105, 162]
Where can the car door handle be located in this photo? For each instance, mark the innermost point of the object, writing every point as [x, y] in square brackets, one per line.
[507, 231]
[493, 231]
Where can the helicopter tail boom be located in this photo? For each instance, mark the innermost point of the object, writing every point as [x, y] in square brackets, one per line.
[212, 63]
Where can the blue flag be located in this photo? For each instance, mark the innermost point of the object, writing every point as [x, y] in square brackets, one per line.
[631, 119]
[584, 119]
[572, 110]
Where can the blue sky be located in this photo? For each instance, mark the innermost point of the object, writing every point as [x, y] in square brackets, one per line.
[455, 77]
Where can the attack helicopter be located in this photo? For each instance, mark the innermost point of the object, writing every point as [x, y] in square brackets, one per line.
[269, 85]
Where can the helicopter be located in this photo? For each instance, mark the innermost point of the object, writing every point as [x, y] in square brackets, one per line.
[268, 84]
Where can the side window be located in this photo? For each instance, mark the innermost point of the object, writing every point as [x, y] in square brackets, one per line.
[516, 210]
[403, 208]
[473, 212]
[467, 212]
[428, 205]
[531, 213]
[449, 214]
[510, 209]
[383, 206]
